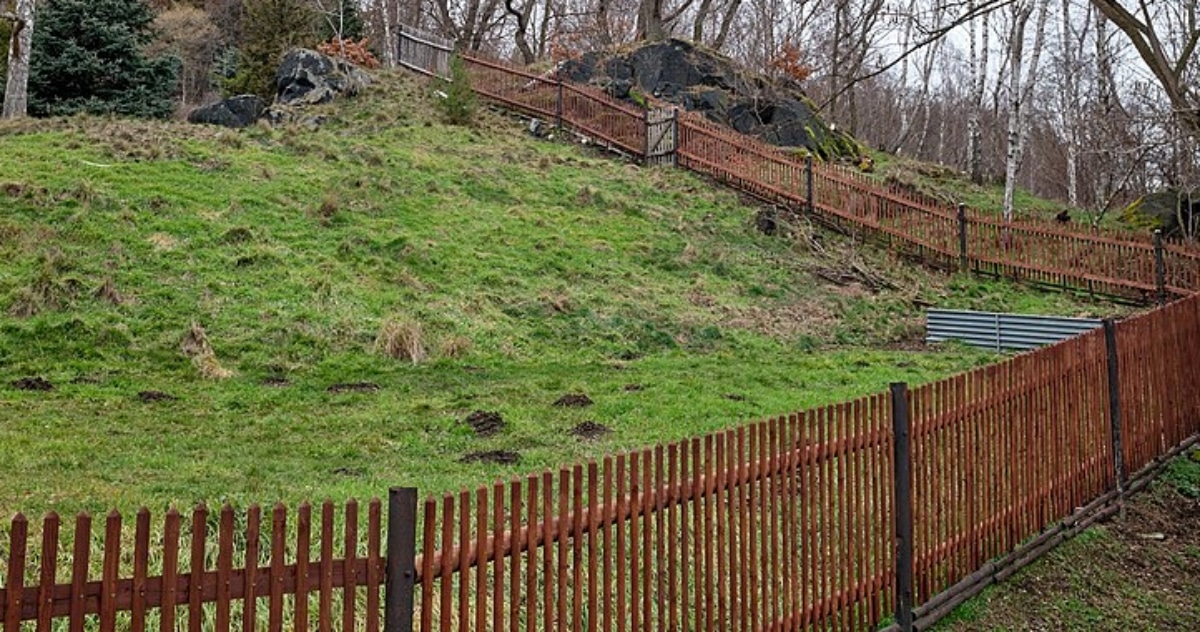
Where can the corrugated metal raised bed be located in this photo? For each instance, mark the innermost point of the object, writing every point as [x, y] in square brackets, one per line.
[1003, 332]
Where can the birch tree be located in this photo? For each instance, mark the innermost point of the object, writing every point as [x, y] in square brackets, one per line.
[20, 49]
[1166, 35]
[1022, 78]
[978, 60]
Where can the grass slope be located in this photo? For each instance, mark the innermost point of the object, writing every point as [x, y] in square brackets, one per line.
[245, 273]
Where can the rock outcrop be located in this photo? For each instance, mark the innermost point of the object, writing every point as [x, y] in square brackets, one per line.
[1165, 210]
[235, 112]
[703, 81]
[305, 77]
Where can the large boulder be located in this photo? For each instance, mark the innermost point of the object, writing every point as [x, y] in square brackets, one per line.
[704, 81]
[1163, 210]
[235, 112]
[307, 77]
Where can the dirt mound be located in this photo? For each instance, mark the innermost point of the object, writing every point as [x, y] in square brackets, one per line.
[485, 423]
[275, 381]
[155, 396]
[33, 384]
[354, 387]
[494, 457]
[574, 400]
[590, 431]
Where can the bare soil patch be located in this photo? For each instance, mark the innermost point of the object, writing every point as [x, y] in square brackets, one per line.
[33, 384]
[493, 457]
[590, 431]
[354, 387]
[149, 397]
[486, 423]
[574, 400]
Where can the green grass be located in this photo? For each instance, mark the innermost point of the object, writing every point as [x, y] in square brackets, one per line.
[953, 187]
[1133, 573]
[532, 270]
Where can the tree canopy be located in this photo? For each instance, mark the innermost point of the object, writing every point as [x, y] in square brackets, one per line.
[87, 57]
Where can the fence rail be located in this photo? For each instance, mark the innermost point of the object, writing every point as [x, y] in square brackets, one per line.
[840, 516]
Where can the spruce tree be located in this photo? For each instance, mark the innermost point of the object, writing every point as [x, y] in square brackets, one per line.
[270, 28]
[87, 57]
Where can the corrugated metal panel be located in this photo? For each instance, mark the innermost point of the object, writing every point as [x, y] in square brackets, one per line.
[1003, 332]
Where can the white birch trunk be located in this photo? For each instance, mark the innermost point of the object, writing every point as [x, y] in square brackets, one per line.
[1021, 83]
[20, 49]
[978, 60]
[389, 43]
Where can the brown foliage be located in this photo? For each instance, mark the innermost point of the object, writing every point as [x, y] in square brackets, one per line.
[789, 63]
[354, 52]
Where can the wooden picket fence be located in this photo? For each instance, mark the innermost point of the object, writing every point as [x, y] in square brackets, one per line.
[1118, 263]
[899, 504]
[179, 576]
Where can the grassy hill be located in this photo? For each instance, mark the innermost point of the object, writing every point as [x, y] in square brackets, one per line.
[281, 314]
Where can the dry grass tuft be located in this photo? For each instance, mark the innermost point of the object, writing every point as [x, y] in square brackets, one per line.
[162, 242]
[456, 346]
[108, 292]
[210, 368]
[329, 208]
[196, 346]
[403, 340]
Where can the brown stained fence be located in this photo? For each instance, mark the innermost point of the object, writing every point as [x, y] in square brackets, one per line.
[1002, 452]
[777, 525]
[1114, 262]
[215, 570]
[1160, 402]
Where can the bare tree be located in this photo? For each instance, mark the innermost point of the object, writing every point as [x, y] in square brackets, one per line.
[978, 61]
[523, 14]
[20, 49]
[1022, 79]
[1166, 35]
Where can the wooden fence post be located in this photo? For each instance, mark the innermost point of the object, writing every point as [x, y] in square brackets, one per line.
[1114, 409]
[902, 464]
[808, 178]
[964, 264]
[675, 137]
[1160, 267]
[401, 560]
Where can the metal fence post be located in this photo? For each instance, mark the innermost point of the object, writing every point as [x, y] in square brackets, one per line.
[646, 143]
[401, 560]
[1160, 268]
[1114, 408]
[558, 104]
[903, 498]
[964, 264]
[808, 177]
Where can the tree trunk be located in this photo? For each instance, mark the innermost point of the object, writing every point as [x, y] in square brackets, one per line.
[650, 24]
[521, 34]
[389, 43]
[1171, 71]
[978, 60]
[20, 49]
[1020, 89]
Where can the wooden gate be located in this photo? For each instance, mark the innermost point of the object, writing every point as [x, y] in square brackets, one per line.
[662, 136]
[425, 52]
